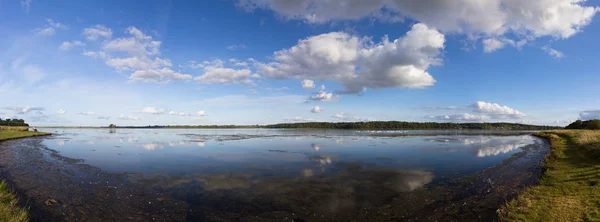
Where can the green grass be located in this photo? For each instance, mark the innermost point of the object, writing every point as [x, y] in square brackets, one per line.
[8, 135]
[569, 189]
[9, 211]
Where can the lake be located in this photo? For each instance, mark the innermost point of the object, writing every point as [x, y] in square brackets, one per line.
[290, 174]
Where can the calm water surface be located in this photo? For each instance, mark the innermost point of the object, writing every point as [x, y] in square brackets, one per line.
[274, 168]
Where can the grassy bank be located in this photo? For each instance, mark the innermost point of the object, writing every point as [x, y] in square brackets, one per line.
[9, 211]
[8, 135]
[569, 189]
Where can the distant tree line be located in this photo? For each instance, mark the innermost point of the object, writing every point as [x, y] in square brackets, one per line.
[398, 125]
[589, 124]
[374, 125]
[13, 122]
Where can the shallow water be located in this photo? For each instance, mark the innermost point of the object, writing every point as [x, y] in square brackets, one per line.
[292, 153]
[272, 175]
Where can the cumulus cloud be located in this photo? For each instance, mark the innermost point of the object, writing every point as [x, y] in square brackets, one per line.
[61, 112]
[496, 109]
[201, 113]
[589, 114]
[492, 44]
[151, 110]
[69, 45]
[103, 117]
[482, 111]
[358, 63]
[553, 52]
[24, 110]
[323, 97]
[216, 72]
[461, 117]
[225, 75]
[137, 53]
[307, 84]
[86, 113]
[525, 19]
[96, 32]
[316, 109]
[163, 75]
[123, 117]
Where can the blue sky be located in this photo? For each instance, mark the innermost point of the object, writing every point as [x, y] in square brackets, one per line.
[267, 61]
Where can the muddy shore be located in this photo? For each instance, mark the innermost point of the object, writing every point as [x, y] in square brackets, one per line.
[57, 188]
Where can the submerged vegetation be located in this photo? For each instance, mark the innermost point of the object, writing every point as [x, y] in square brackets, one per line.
[569, 189]
[9, 211]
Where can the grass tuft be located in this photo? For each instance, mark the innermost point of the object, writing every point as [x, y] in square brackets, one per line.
[9, 211]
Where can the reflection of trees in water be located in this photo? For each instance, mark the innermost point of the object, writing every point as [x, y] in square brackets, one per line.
[345, 193]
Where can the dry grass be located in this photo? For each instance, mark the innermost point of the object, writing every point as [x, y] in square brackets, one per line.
[569, 190]
[14, 128]
[9, 211]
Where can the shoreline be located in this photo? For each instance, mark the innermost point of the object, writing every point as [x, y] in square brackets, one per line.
[10, 207]
[569, 188]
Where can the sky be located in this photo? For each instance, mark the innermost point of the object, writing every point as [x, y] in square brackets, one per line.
[93, 63]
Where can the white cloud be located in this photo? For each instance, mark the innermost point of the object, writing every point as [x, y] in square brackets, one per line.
[97, 31]
[96, 55]
[308, 84]
[461, 117]
[175, 113]
[484, 112]
[123, 117]
[23, 110]
[48, 31]
[152, 110]
[316, 109]
[50, 28]
[69, 45]
[61, 112]
[163, 75]
[344, 117]
[323, 97]
[556, 18]
[492, 44]
[496, 109]
[234, 47]
[201, 113]
[138, 44]
[358, 63]
[589, 115]
[222, 75]
[86, 113]
[553, 52]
